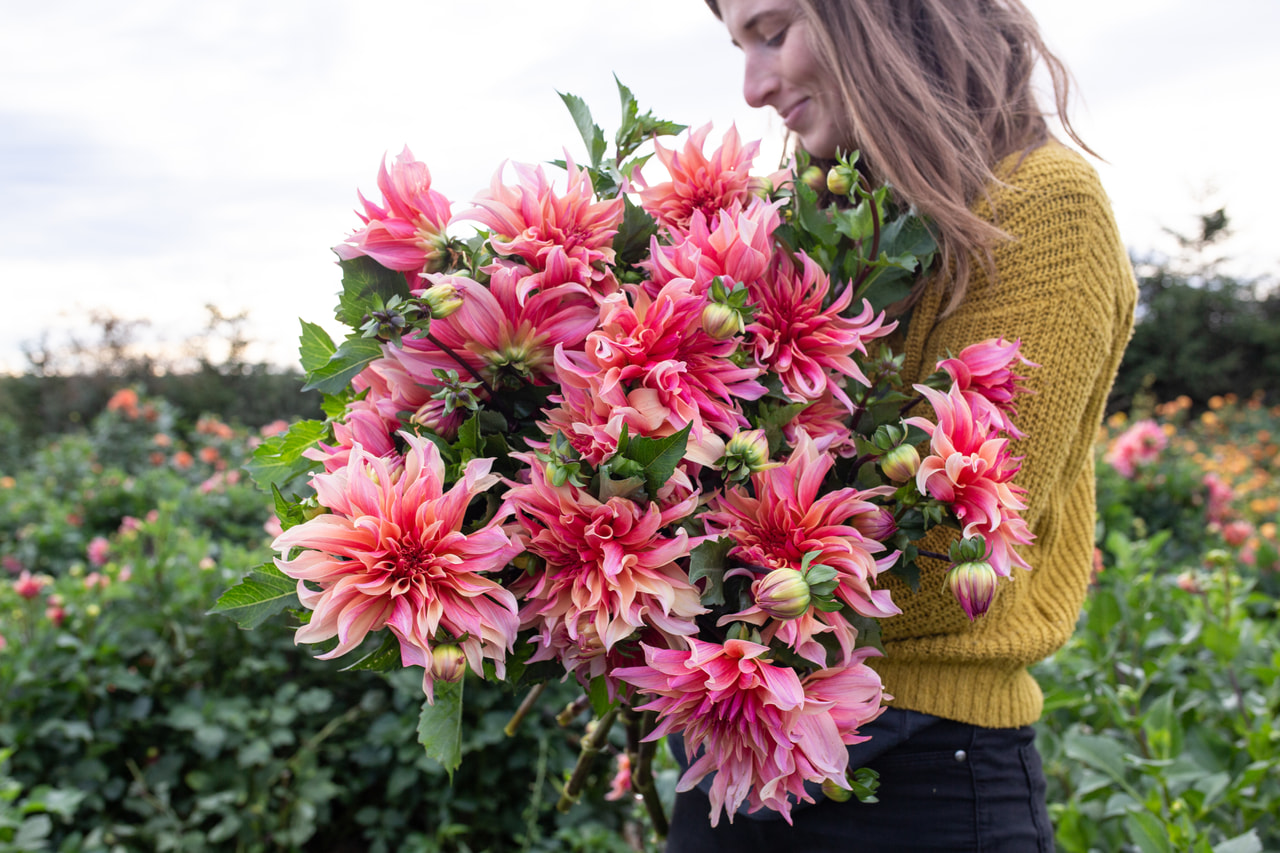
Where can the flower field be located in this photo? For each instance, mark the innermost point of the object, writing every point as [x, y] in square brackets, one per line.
[131, 720]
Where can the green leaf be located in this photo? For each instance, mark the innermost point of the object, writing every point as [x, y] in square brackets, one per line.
[658, 457]
[631, 243]
[1097, 752]
[440, 726]
[1162, 728]
[365, 284]
[1247, 843]
[707, 561]
[264, 592]
[382, 659]
[1148, 832]
[315, 347]
[598, 693]
[591, 133]
[279, 459]
[348, 360]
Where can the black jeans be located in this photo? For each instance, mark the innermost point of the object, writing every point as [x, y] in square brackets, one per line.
[948, 787]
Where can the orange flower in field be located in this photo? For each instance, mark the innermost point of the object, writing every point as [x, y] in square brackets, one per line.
[162, 439]
[156, 458]
[125, 400]
[182, 460]
[208, 455]
[1216, 402]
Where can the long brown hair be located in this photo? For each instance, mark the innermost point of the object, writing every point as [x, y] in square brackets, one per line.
[936, 93]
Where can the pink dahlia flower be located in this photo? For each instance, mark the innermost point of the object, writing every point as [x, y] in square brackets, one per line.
[698, 182]
[854, 690]
[98, 551]
[746, 719]
[498, 333]
[983, 373]
[970, 470]
[392, 554]
[29, 586]
[791, 516]
[360, 427]
[734, 243]
[806, 344]
[610, 568]
[408, 234]
[568, 235]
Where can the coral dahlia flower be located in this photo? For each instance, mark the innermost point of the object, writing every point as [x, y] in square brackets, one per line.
[807, 345]
[392, 554]
[699, 182]
[970, 469]
[983, 373]
[408, 234]
[743, 717]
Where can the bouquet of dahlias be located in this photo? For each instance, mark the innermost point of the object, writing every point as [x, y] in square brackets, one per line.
[646, 433]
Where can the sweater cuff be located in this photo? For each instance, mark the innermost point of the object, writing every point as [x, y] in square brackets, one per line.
[981, 695]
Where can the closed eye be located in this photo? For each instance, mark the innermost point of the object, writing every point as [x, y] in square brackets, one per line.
[778, 39]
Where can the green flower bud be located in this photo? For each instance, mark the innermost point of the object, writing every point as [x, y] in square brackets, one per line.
[901, 463]
[840, 180]
[974, 586]
[814, 178]
[721, 321]
[443, 299]
[835, 792]
[448, 663]
[782, 594]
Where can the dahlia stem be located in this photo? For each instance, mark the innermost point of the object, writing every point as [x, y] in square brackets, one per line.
[498, 403]
[934, 554]
[591, 745]
[526, 706]
[642, 776]
[870, 199]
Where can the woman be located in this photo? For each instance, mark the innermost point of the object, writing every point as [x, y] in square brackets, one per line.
[937, 97]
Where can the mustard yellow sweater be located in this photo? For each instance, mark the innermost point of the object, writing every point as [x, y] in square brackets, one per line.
[1064, 287]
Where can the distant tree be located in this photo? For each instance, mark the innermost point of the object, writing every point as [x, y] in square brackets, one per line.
[1199, 331]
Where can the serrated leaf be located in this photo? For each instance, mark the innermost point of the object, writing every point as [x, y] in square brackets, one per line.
[366, 283]
[264, 592]
[707, 561]
[315, 347]
[382, 659]
[349, 359]
[279, 459]
[287, 511]
[591, 133]
[658, 457]
[631, 243]
[440, 725]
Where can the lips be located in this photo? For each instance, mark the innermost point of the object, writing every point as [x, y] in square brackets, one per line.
[794, 114]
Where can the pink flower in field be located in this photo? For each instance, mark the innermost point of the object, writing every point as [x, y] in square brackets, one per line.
[1139, 445]
[743, 717]
[698, 182]
[3, 643]
[129, 524]
[1219, 498]
[618, 788]
[970, 469]
[96, 579]
[983, 374]
[392, 554]
[276, 427]
[562, 237]
[29, 586]
[609, 571]
[789, 517]
[273, 527]
[56, 613]
[806, 344]
[11, 564]
[1236, 533]
[408, 234]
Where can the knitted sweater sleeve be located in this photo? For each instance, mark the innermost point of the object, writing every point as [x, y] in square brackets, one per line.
[1063, 286]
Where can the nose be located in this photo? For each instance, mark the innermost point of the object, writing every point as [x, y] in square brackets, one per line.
[759, 79]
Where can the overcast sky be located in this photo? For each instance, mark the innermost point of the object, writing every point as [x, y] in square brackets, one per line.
[156, 156]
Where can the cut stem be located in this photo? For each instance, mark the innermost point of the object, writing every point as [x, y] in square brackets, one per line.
[590, 749]
[526, 706]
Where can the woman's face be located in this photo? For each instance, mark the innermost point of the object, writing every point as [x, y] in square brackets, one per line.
[783, 71]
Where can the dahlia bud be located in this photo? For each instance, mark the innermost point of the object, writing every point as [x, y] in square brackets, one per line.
[813, 178]
[974, 586]
[443, 299]
[901, 463]
[745, 454]
[840, 180]
[835, 792]
[721, 321]
[782, 594]
[448, 663]
[879, 525]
